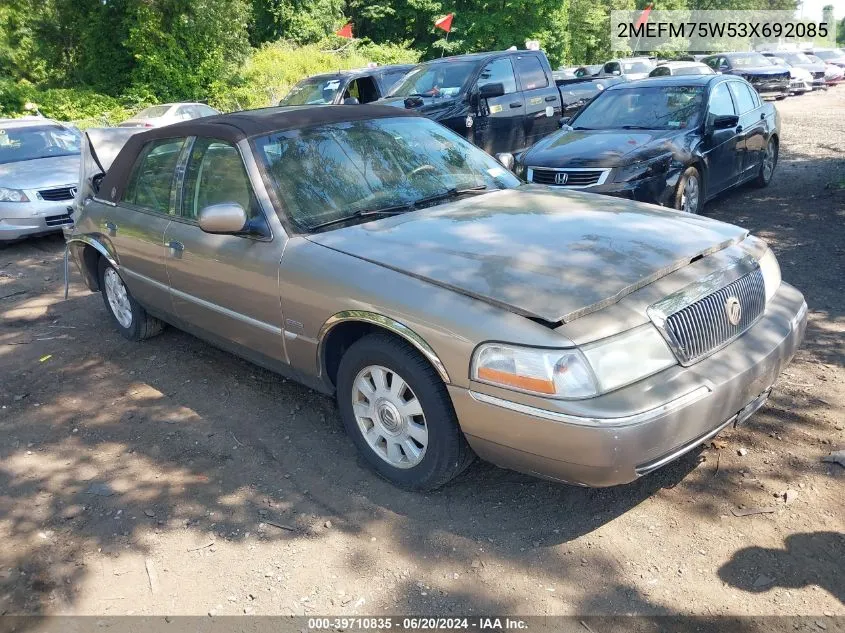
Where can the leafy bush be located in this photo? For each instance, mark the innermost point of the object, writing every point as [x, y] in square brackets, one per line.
[272, 69]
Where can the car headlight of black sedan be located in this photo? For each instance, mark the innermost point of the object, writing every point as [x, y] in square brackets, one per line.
[643, 169]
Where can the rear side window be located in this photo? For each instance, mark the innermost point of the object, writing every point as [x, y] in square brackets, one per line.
[742, 94]
[151, 184]
[661, 71]
[499, 71]
[531, 73]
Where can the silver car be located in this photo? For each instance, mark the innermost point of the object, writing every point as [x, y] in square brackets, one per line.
[452, 309]
[168, 113]
[39, 173]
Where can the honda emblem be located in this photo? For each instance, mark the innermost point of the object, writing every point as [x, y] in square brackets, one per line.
[561, 177]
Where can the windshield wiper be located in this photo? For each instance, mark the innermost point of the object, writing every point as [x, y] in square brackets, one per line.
[636, 127]
[402, 208]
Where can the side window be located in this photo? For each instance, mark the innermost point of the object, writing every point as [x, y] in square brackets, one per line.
[713, 62]
[215, 174]
[723, 64]
[366, 88]
[499, 71]
[660, 71]
[531, 73]
[720, 101]
[742, 94]
[151, 183]
[612, 67]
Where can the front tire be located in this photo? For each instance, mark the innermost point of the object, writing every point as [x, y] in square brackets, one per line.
[767, 167]
[131, 319]
[689, 194]
[398, 414]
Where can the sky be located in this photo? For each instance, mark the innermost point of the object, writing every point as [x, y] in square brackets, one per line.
[812, 9]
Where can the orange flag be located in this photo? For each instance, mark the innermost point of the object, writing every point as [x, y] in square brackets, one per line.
[345, 31]
[445, 22]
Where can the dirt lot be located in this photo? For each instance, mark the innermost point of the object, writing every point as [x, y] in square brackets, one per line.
[169, 477]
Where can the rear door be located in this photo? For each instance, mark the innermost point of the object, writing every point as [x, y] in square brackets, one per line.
[722, 149]
[137, 223]
[753, 143]
[499, 126]
[224, 285]
[541, 97]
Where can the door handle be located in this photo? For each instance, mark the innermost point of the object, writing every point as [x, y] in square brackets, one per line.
[551, 98]
[175, 247]
[516, 104]
[110, 227]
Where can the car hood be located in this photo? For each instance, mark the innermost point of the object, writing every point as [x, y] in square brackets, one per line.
[761, 70]
[430, 107]
[600, 148]
[40, 173]
[542, 253]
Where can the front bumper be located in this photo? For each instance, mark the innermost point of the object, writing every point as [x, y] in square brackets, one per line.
[771, 88]
[722, 389]
[659, 189]
[24, 219]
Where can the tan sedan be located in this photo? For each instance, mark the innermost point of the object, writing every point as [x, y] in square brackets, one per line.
[453, 309]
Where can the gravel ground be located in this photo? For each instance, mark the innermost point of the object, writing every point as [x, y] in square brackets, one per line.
[172, 478]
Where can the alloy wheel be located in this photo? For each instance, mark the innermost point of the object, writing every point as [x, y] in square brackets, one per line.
[690, 195]
[117, 297]
[389, 416]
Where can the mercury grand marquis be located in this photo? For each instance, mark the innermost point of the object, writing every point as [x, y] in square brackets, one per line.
[452, 309]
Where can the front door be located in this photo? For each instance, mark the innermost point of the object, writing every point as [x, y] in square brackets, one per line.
[722, 148]
[541, 98]
[225, 285]
[499, 124]
[136, 225]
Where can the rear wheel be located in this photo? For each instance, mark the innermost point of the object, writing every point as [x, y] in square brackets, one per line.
[767, 167]
[688, 196]
[131, 319]
[398, 414]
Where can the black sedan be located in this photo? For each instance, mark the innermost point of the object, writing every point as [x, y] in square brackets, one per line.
[673, 141]
[769, 80]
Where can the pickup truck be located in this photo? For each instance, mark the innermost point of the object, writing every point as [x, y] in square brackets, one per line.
[501, 101]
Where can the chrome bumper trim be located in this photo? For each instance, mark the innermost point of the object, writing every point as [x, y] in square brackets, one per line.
[628, 420]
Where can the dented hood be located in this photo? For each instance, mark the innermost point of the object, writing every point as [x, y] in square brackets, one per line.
[548, 254]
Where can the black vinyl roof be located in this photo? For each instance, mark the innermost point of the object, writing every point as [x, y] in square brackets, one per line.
[237, 126]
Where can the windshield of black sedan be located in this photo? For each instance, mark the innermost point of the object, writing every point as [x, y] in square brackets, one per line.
[643, 107]
[312, 92]
[331, 172]
[443, 80]
[37, 141]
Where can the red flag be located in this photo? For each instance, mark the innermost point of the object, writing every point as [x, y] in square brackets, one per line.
[445, 22]
[345, 31]
[644, 15]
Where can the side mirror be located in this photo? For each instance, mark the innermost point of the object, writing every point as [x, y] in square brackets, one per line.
[616, 72]
[228, 217]
[489, 91]
[507, 160]
[351, 101]
[725, 121]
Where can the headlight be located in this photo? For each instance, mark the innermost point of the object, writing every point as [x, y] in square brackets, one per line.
[628, 357]
[771, 273]
[562, 373]
[643, 169]
[12, 195]
[575, 373]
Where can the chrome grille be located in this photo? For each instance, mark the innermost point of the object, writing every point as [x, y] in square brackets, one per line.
[57, 194]
[574, 178]
[701, 328]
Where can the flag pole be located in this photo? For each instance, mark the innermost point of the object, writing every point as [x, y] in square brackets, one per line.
[443, 50]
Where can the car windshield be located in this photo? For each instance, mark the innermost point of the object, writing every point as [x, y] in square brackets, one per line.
[37, 141]
[153, 112]
[797, 58]
[363, 169]
[637, 67]
[643, 107]
[834, 53]
[442, 80]
[312, 91]
[749, 61]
